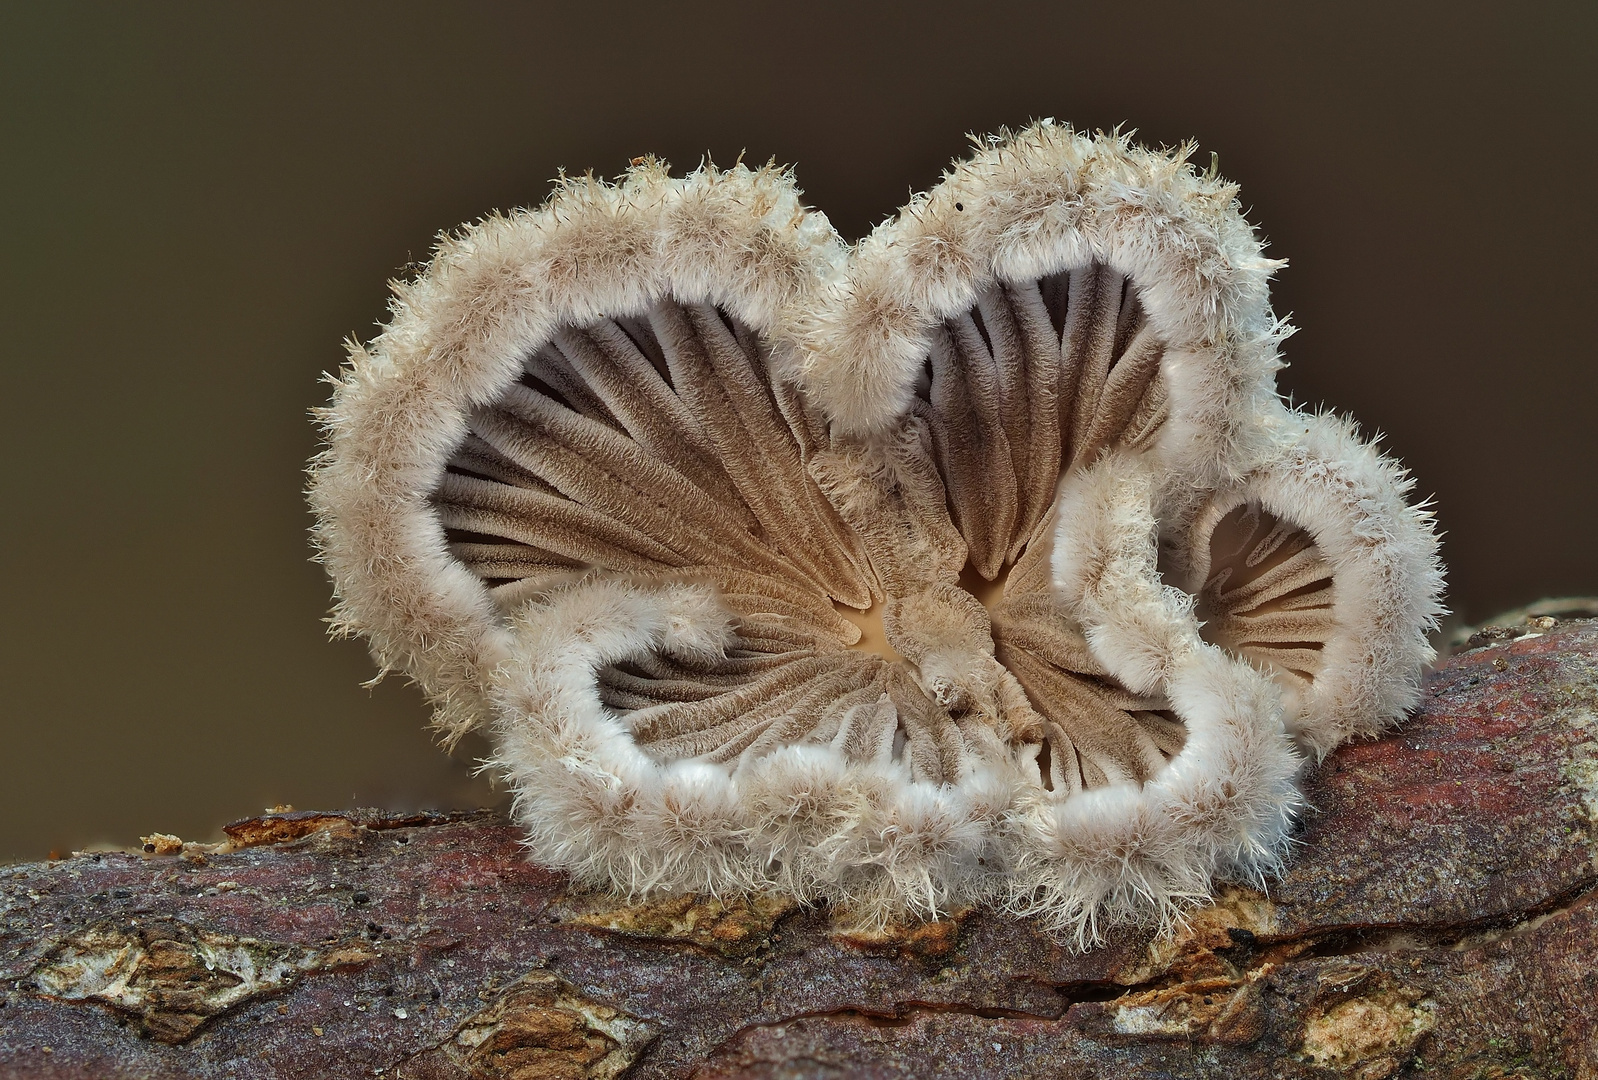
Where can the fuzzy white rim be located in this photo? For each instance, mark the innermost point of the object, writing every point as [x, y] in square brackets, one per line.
[1045, 200]
[1382, 553]
[493, 294]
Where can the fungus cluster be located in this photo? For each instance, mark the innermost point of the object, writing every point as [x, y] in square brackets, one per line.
[977, 562]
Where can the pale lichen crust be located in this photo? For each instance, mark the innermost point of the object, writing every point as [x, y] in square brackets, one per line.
[979, 562]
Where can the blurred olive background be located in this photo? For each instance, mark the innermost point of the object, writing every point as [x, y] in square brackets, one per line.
[201, 201]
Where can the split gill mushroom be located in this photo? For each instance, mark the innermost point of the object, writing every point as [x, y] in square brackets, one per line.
[977, 562]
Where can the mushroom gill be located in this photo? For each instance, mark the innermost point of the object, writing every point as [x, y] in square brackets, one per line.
[665, 447]
[1268, 593]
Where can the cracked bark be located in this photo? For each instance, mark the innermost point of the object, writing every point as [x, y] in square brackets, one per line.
[1438, 920]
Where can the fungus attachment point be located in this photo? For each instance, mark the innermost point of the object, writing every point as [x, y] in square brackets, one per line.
[873, 636]
[990, 594]
[771, 563]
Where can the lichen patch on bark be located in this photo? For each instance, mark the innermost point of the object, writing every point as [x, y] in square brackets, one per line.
[173, 977]
[733, 926]
[540, 1028]
[1371, 1031]
[1582, 767]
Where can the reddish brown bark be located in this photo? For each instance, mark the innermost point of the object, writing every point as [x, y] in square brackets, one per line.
[1437, 921]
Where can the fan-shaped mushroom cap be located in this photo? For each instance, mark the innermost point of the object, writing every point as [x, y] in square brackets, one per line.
[772, 564]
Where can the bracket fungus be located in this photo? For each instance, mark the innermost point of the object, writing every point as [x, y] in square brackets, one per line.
[977, 562]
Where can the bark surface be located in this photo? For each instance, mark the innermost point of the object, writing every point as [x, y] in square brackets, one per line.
[1438, 920]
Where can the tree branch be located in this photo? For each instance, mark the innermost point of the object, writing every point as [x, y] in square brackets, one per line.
[1438, 915]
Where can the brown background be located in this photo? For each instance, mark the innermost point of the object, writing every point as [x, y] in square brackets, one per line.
[200, 202]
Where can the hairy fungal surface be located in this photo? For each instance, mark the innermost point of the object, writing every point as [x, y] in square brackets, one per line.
[976, 562]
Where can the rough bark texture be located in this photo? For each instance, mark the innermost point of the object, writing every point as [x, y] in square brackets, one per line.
[1438, 921]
